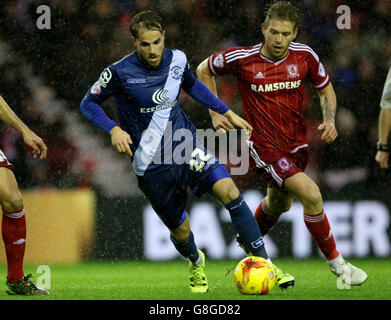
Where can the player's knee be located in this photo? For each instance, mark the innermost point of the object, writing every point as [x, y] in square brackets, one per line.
[313, 197]
[226, 191]
[11, 201]
[230, 191]
[278, 207]
[233, 194]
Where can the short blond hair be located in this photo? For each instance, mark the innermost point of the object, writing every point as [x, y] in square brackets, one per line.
[285, 11]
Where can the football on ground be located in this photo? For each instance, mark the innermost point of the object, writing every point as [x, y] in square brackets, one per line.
[254, 276]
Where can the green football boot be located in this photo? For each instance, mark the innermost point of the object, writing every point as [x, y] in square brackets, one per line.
[24, 287]
[283, 279]
[198, 281]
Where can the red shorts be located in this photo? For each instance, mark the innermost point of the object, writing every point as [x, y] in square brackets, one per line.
[4, 162]
[274, 166]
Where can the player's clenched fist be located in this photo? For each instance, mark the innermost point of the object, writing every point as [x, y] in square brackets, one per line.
[329, 131]
[121, 140]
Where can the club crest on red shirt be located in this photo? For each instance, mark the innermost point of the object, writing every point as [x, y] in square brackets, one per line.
[292, 71]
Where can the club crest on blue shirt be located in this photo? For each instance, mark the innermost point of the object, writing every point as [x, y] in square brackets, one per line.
[176, 72]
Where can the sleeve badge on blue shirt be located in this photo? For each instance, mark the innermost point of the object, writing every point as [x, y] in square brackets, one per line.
[96, 88]
[105, 77]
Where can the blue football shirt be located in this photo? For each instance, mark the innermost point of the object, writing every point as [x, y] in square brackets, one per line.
[148, 108]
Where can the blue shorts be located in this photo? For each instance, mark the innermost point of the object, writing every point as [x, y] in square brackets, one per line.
[167, 190]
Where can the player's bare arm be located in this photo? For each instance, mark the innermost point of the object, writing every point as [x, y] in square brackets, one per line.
[384, 132]
[229, 120]
[121, 140]
[29, 137]
[219, 121]
[328, 104]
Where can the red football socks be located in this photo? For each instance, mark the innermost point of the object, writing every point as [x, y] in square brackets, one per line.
[266, 220]
[14, 236]
[319, 227]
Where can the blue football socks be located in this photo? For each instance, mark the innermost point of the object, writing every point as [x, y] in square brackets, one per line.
[247, 227]
[187, 249]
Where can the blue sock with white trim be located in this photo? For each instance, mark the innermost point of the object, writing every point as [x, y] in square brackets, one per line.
[187, 249]
[246, 226]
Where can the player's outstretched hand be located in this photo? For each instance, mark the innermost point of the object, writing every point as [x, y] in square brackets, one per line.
[239, 122]
[36, 143]
[329, 131]
[220, 122]
[121, 140]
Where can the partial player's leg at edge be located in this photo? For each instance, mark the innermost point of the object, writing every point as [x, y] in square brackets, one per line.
[14, 237]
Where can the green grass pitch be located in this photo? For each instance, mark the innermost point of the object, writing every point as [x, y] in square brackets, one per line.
[142, 280]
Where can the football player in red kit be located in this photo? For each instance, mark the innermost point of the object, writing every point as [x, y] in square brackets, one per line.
[271, 78]
[13, 226]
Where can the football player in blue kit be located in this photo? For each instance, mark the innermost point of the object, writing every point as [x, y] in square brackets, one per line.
[166, 155]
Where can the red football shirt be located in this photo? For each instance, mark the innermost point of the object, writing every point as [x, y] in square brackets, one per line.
[272, 92]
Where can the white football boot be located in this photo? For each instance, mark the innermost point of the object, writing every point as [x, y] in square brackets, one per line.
[348, 274]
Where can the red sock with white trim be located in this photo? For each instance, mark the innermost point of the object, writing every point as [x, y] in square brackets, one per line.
[14, 236]
[266, 220]
[319, 227]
